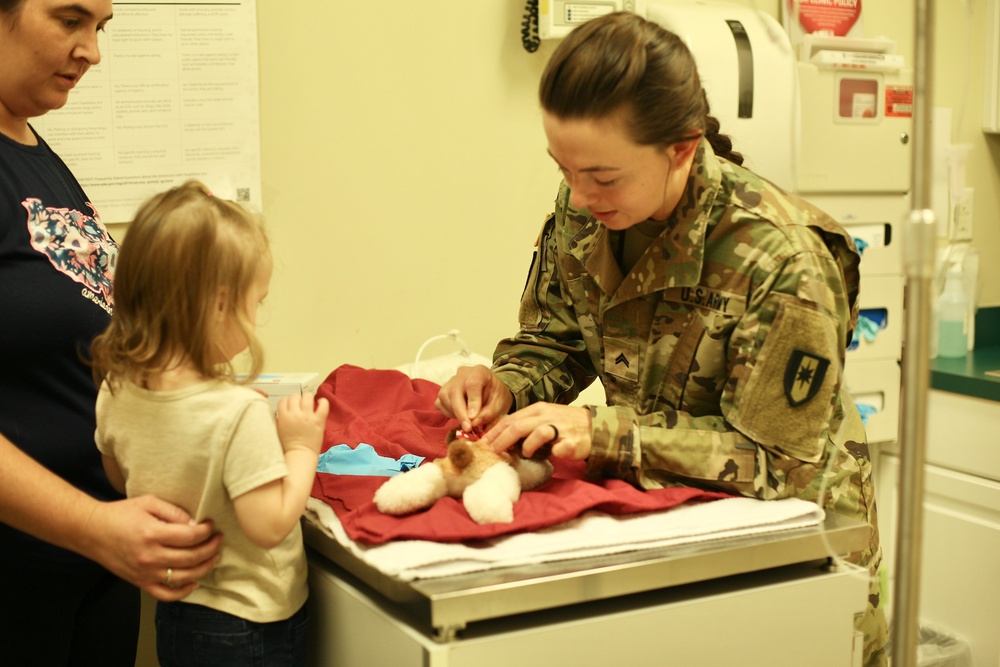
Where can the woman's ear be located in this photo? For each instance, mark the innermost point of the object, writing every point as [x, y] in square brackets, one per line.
[682, 152]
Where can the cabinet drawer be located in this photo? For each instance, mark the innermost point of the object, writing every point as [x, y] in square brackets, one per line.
[881, 302]
[875, 223]
[962, 434]
[875, 384]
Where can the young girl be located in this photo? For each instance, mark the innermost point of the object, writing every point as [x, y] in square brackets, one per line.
[173, 422]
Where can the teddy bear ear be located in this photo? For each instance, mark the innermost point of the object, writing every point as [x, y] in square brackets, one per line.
[451, 435]
[460, 453]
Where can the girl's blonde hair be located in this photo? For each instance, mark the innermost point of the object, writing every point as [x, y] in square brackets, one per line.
[183, 251]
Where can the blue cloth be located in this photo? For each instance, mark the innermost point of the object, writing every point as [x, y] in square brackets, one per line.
[364, 460]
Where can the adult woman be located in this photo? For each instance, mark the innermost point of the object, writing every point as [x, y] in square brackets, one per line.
[59, 514]
[714, 308]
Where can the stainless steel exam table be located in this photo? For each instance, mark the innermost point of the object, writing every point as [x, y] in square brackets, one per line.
[770, 600]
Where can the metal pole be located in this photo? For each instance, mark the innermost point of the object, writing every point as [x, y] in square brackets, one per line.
[920, 241]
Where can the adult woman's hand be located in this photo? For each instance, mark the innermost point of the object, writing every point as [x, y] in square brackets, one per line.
[567, 427]
[475, 397]
[152, 544]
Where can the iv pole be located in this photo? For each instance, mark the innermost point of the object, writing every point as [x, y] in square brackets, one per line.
[919, 239]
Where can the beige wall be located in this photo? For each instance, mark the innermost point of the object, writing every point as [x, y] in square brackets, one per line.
[405, 175]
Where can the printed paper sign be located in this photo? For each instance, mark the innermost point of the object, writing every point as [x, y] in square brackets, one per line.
[175, 97]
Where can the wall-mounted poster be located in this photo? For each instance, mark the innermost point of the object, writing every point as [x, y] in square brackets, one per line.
[174, 97]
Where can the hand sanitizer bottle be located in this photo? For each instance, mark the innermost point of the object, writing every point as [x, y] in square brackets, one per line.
[953, 341]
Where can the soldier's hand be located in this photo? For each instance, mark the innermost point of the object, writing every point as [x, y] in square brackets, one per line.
[567, 428]
[474, 396]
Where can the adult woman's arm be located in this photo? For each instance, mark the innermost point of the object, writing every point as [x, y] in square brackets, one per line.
[137, 539]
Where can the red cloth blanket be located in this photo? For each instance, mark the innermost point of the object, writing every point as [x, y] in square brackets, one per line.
[396, 415]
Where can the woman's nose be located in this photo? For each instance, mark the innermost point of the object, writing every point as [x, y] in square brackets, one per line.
[88, 49]
[581, 196]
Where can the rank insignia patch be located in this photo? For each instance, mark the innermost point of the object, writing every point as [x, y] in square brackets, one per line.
[803, 377]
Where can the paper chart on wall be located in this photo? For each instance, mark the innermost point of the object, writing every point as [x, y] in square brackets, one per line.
[174, 97]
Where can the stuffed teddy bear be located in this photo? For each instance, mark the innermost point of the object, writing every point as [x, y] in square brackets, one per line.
[489, 483]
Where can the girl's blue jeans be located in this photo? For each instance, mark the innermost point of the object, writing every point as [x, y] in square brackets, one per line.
[190, 635]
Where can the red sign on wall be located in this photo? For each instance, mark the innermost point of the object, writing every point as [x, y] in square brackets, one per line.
[835, 16]
[899, 101]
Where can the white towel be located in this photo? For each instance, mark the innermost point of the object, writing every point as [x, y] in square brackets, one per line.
[591, 534]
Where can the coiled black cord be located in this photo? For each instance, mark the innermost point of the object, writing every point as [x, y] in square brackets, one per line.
[529, 27]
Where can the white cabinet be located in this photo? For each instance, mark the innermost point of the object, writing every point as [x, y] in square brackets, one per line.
[960, 570]
[727, 621]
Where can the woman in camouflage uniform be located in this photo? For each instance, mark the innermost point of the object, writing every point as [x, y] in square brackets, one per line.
[714, 307]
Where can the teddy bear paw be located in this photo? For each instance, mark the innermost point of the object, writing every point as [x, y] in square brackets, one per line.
[491, 498]
[411, 491]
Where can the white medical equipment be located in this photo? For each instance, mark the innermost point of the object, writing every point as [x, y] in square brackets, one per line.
[553, 19]
[747, 69]
[441, 368]
[276, 385]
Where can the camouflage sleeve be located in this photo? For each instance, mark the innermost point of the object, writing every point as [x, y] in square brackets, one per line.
[779, 405]
[547, 360]
[669, 448]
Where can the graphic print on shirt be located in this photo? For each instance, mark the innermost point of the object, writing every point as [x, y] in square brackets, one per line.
[78, 246]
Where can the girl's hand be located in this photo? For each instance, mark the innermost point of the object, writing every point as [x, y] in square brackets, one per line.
[301, 421]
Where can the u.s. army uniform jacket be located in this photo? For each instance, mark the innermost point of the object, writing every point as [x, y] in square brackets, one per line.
[720, 351]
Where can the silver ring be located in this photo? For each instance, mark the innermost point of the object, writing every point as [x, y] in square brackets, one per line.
[170, 577]
[555, 431]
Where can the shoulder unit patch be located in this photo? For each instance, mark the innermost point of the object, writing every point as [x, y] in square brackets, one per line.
[804, 375]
